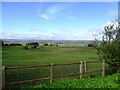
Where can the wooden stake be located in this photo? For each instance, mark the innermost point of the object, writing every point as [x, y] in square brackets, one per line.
[3, 77]
[103, 68]
[51, 72]
[85, 65]
[81, 69]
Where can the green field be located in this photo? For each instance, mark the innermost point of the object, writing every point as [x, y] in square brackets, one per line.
[18, 56]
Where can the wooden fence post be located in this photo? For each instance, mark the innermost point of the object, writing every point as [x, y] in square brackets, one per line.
[85, 65]
[3, 77]
[81, 64]
[103, 68]
[51, 72]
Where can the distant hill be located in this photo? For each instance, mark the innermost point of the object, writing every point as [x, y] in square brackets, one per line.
[65, 42]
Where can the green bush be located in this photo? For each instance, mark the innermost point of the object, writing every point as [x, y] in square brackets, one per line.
[26, 47]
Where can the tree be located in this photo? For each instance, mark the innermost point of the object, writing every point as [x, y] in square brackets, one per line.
[31, 45]
[46, 44]
[108, 48]
[90, 45]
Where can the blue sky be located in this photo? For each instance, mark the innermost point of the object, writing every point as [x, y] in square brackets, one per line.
[56, 20]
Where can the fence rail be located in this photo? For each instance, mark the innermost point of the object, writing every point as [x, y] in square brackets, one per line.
[82, 70]
[18, 67]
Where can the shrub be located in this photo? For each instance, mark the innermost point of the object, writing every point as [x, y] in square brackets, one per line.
[107, 82]
[26, 47]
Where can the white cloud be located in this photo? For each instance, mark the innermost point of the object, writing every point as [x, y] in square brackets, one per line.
[113, 13]
[54, 11]
[44, 16]
[34, 30]
[100, 29]
[61, 34]
[111, 23]
[65, 30]
[58, 9]
[46, 35]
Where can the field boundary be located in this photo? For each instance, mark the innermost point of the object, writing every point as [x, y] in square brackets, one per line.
[82, 70]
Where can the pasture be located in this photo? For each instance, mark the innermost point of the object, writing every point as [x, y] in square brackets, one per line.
[18, 56]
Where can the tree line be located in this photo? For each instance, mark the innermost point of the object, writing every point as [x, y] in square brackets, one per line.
[11, 44]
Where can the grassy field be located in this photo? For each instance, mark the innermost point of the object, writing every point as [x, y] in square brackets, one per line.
[18, 56]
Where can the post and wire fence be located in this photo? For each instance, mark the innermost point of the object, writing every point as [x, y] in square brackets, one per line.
[27, 74]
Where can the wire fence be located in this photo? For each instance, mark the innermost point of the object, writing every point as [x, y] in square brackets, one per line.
[18, 75]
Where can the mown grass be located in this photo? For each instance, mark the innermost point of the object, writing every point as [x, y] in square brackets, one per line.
[18, 56]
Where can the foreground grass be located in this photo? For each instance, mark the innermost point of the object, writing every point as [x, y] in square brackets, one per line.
[18, 56]
[111, 81]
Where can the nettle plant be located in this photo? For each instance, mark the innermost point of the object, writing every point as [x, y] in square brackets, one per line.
[108, 46]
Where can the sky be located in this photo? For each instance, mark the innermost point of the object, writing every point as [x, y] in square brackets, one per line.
[56, 20]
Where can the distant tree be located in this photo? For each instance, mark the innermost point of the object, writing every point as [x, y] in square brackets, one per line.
[35, 44]
[46, 44]
[108, 47]
[6, 45]
[18, 44]
[90, 45]
[32, 45]
[15, 44]
[12, 44]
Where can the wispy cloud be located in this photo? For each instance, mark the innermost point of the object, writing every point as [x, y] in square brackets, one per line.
[34, 30]
[46, 35]
[61, 34]
[58, 9]
[65, 30]
[54, 11]
[44, 16]
[12, 35]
